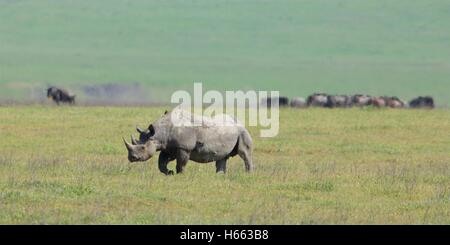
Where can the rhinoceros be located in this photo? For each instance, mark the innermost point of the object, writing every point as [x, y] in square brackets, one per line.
[182, 136]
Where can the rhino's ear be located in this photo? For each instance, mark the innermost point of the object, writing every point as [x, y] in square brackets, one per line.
[151, 130]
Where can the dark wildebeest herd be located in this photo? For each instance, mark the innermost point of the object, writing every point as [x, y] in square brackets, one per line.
[59, 95]
[347, 101]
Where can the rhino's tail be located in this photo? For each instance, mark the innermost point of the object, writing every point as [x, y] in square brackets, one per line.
[245, 140]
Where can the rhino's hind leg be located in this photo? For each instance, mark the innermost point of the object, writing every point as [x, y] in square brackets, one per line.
[221, 166]
[182, 159]
[245, 147]
[247, 157]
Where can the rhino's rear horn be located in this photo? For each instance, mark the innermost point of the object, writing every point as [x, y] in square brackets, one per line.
[133, 140]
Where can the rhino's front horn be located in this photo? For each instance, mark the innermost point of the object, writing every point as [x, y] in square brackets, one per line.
[139, 130]
[128, 145]
[133, 140]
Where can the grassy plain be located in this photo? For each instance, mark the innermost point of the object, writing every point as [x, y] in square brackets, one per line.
[67, 165]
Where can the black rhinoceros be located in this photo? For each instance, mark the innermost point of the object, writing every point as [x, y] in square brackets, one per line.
[184, 136]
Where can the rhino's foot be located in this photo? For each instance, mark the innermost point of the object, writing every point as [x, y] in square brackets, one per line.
[220, 172]
[170, 172]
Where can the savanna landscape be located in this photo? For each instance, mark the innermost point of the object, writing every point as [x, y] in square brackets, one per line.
[68, 165]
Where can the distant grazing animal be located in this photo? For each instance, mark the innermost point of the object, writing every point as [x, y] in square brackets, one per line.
[338, 101]
[378, 102]
[422, 102]
[317, 99]
[393, 102]
[60, 95]
[361, 100]
[214, 139]
[282, 101]
[298, 102]
[349, 100]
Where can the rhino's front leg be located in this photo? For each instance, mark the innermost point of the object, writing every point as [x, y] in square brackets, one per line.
[182, 159]
[164, 159]
[221, 166]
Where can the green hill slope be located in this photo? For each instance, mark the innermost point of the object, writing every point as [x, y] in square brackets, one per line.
[380, 47]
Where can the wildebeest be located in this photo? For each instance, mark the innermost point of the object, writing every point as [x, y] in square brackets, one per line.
[60, 95]
[175, 135]
[378, 102]
[282, 101]
[422, 102]
[298, 102]
[361, 100]
[338, 101]
[317, 99]
[393, 102]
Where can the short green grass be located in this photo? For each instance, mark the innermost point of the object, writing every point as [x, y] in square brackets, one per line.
[380, 47]
[67, 165]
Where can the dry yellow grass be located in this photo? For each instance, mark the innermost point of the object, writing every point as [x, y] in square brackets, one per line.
[67, 165]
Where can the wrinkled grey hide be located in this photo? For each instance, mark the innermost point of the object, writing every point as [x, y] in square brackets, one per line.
[212, 141]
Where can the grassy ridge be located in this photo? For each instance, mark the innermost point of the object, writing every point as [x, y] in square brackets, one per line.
[381, 47]
[68, 165]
